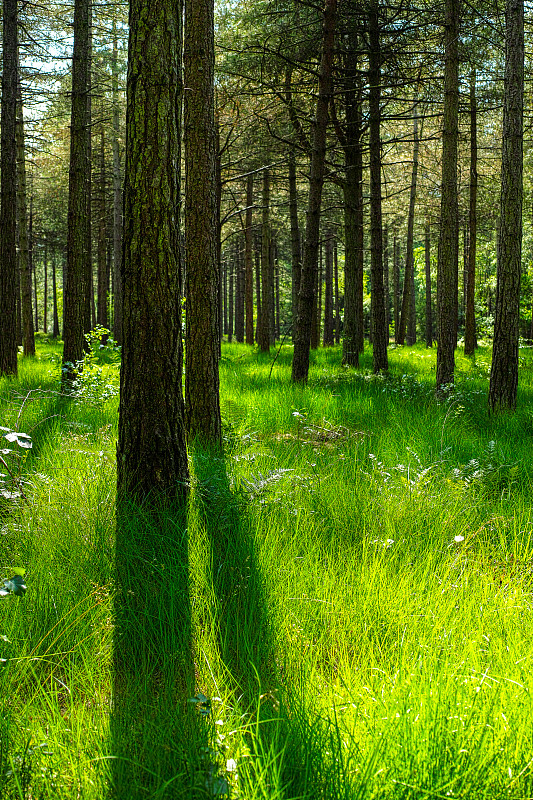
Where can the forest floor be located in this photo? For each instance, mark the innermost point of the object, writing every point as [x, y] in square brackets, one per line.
[345, 610]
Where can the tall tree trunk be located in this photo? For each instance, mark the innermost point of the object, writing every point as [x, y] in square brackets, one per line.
[151, 451]
[396, 285]
[202, 338]
[386, 277]
[302, 344]
[117, 195]
[328, 336]
[28, 337]
[408, 314]
[257, 260]
[470, 310]
[379, 339]
[504, 371]
[447, 272]
[427, 260]
[337, 296]
[249, 264]
[76, 290]
[102, 271]
[271, 282]
[8, 193]
[239, 293]
[55, 315]
[296, 251]
[263, 333]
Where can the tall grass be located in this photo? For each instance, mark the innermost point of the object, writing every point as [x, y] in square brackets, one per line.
[344, 611]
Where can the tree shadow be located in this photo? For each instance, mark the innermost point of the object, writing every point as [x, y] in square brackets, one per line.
[156, 740]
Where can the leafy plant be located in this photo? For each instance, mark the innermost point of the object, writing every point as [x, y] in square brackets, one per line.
[13, 460]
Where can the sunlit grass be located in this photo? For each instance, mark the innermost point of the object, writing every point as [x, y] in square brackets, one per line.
[357, 616]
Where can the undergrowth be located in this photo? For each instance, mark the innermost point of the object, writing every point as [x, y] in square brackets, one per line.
[344, 610]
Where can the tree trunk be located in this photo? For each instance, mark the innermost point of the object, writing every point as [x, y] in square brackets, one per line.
[396, 285]
[55, 315]
[296, 251]
[328, 337]
[263, 334]
[249, 264]
[151, 451]
[117, 196]
[470, 311]
[386, 278]
[8, 193]
[76, 290]
[447, 273]
[102, 271]
[427, 258]
[239, 293]
[408, 313]
[302, 344]
[379, 339]
[28, 335]
[337, 296]
[504, 372]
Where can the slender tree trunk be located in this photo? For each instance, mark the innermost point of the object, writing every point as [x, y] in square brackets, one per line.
[249, 264]
[28, 337]
[257, 259]
[504, 372]
[427, 257]
[76, 290]
[396, 285]
[263, 334]
[102, 271]
[225, 295]
[33, 265]
[386, 278]
[271, 282]
[379, 339]
[447, 273]
[302, 344]
[117, 196]
[231, 299]
[329, 338]
[408, 313]
[55, 315]
[151, 451]
[470, 311]
[296, 252]
[8, 193]
[239, 293]
[337, 296]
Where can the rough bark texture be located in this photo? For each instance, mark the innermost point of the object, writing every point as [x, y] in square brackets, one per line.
[470, 311]
[379, 327]
[263, 324]
[248, 261]
[28, 337]
[447, 273]
[302, 343]
[504, 372]
[151, 451]
[202, 403]
[8, 194]
[76, 290]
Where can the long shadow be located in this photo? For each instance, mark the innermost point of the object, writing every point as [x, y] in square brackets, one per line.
[285, 741]
[156, 741]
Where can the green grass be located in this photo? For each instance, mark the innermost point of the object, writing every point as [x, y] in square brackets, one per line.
[347, 603]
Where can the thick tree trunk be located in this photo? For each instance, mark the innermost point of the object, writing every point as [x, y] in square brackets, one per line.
[263, 333]
[8, 193]
[151, 451]
[379, 338]
[77, 287]
[447, 273]
[302, 344]
[504, 372]
[470, 311]
[248, 258]
[28, 337]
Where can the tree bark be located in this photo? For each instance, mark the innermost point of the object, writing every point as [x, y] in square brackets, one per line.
[408, 313]
[28, 334]
[302, 344]
[379, 338]
[151, 451]
[8, 193]
[447, 273]
[470, 311]
[249, 264]
[504, 371]
[296, 250]
[427, 260]
[102, 270]
[77, 288]
[263, 333]
[328, 336]
[117, 196]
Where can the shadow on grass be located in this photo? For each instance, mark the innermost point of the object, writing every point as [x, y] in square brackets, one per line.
[156, 741]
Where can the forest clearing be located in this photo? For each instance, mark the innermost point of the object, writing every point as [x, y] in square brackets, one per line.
[345, 611]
